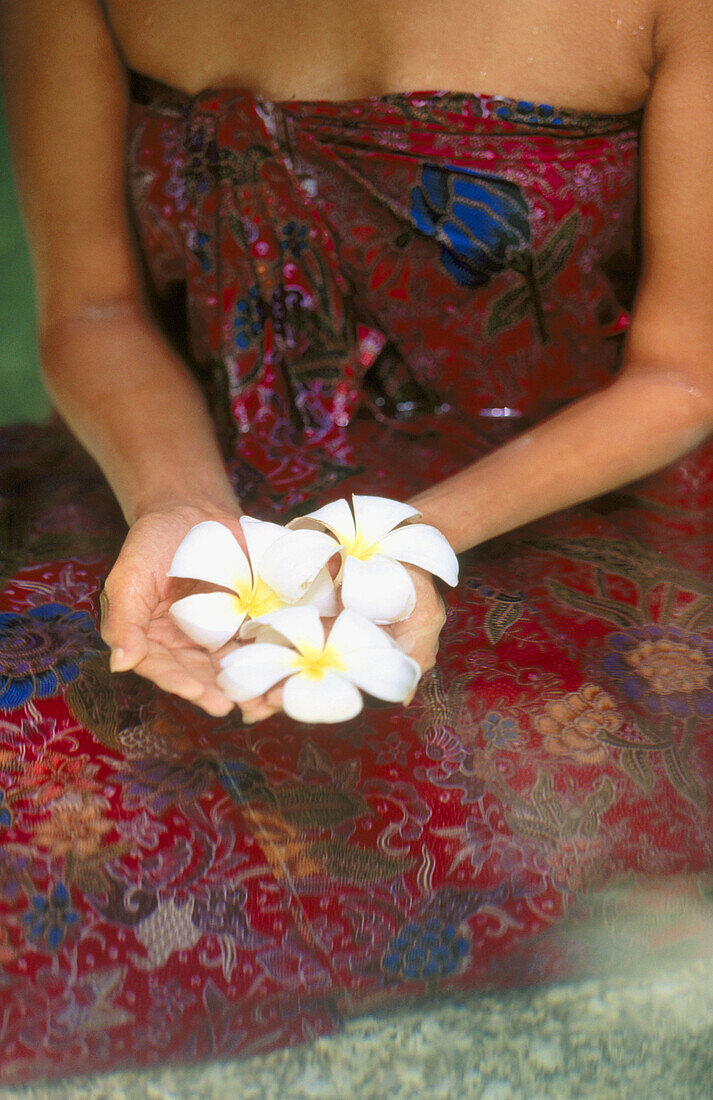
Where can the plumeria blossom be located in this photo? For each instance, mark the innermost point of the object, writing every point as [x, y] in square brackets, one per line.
[321, 677]
[282, 568]
[375, 535]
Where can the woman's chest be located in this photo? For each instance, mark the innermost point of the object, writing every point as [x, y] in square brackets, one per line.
[592, 55]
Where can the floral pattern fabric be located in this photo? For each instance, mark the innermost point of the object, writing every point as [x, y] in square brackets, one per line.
[374, 294]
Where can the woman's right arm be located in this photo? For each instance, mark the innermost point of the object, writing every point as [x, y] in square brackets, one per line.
[118, 384]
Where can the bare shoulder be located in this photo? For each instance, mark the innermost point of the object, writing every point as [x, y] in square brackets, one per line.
[31, 25]
[684, 28]
[673, 320]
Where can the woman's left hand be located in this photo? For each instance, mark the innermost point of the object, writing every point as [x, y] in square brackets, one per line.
[419, 635]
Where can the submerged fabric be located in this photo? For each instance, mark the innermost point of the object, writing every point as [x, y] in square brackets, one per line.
[373, 294]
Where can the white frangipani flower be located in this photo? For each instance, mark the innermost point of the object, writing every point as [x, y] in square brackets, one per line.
[282, 568]
[321, 678]
[374, 537]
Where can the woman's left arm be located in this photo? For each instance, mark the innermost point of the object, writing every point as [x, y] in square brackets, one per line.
[661, 404]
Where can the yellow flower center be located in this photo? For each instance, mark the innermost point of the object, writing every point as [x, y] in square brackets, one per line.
[258, 600]
[360, 547]
[316, 663]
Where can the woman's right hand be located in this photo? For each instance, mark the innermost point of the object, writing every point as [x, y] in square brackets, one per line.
[137, 595]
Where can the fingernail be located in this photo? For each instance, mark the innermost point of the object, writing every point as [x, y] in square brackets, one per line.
[116, 660]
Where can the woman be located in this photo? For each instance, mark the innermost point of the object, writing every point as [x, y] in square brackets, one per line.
[461, 265]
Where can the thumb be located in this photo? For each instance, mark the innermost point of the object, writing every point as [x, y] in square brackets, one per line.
[124, 628]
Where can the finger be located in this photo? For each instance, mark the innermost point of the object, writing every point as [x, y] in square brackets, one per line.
[421, 644]
[170, 677]
[424, 656]
[124, 626]
[264, 706]
[215, 703]
[256, 712]
[427, 643]
[187, 673]
[259, 709]
[409, 697]
[175, 682]
[273, 697]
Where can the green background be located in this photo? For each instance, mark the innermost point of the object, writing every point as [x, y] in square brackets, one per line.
[21, 394]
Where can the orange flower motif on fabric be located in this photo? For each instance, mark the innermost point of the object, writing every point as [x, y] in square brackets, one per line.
[50, 776]
[577, 861]
[662, 668]
[572, 725]
[73, 827]
[670, 666]
[282, 846]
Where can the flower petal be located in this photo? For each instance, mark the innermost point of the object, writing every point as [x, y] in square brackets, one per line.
[322, 595]
[259, 536]
[372, 660]
[351, 631]
[425, 546]
[209, 618]
[300, 625]
[337, 516]
[386, 673]
[258, 630]
[251, 670]
[380, 589]
[331, 699]
[211, 552]
[292, 562]
[376, 516]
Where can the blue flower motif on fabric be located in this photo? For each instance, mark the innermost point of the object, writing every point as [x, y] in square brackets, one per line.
[200, 250]
[248, 322]
[480, 221]
[537, 114]
[243, 782]
[41, 651]
[294, 239]
[422, 951]
[203, 159]
[50, 918]
[499, 730]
